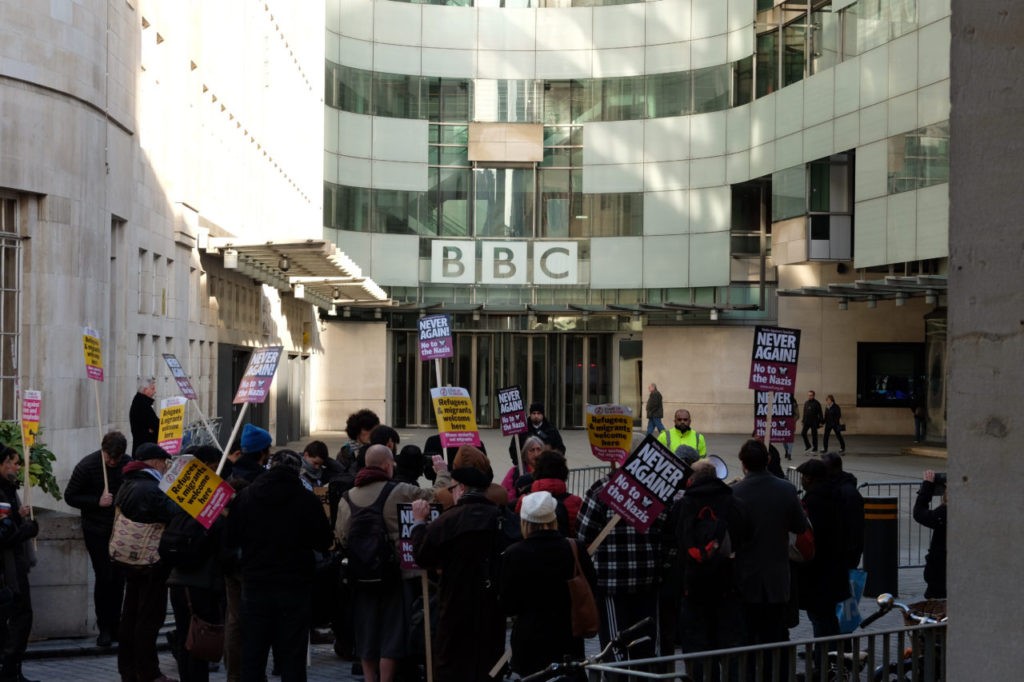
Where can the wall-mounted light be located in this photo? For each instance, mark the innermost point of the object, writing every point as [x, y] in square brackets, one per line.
[284, 265]
[230, 259]
[476, 315]
[872, 302]
[346, 311]
[714, 314]
[679, 316]
[930, 297]
[333, 311]
[901, 299]
[336, 294]
[299, 291]
[844, 304]
[377, 314]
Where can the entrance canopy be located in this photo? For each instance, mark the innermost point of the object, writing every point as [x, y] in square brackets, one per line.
[870, 291]
[312, 269]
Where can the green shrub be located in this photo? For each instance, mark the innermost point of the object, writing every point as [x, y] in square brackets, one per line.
[42, 459]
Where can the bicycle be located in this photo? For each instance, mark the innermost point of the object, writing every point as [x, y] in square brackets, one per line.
[922, 656]
[576, 671]
[196, 433]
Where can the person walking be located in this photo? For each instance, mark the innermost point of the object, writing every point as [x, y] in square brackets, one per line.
[812, 416]
[833, 423]
[655, 410]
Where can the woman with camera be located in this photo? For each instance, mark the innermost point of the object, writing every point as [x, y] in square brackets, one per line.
[935, 561]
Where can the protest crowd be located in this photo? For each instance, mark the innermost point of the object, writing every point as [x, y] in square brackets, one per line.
[402, 577]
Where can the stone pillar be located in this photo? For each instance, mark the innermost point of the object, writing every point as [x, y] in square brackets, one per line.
[61, 601]
[986, 340]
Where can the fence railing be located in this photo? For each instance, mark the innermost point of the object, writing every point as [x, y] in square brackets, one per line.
[909, 653]
[581, 479]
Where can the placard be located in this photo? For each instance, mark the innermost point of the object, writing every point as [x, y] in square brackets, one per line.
[172, 424]
[93, 350]
[259, 374]
[610, 431]
[31, 410]
[196, 489]
[405, 524]
[783, 420]
[456, 421]
[773, 362]
[435, 337]
[645, 484]
[180, 378]
[512, 411]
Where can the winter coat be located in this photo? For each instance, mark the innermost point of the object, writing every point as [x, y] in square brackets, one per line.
[85, 487]
[655, 409]
[833, 416]
[465, 543]
[556, 487]
[935, 560]
[140, 498]
[812, 413]
[853, 518]
[824, 579]
[144, 423]
[276, 524]
[546, 431]
[15, 533]
[534, 590]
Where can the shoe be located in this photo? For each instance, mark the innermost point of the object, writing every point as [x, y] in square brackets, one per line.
[357, 669]
[789, 456]
[806, 450]
[104, 639]
[814, 450]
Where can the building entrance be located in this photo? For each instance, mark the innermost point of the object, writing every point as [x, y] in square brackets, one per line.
[565, 372]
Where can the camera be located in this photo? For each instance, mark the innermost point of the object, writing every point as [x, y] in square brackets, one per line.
[940, 482]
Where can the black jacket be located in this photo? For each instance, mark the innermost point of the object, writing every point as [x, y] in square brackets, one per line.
[140, 498]
[143, 420]
[935, 561]
[833, 416]
[812, 413]
[15, 532]
[546, 431]
[85, 487]
[276, 524]
[853, 518]
[824, 580]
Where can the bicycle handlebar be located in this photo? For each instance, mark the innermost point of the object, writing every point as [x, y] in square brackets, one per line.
[886, 602]
[621, 640]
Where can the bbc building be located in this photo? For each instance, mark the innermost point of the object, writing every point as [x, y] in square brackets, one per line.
[604, 195]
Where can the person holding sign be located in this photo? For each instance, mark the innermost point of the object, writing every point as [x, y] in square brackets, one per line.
[85, 491]
[682, 434]
[382, 595]
[17, 528]
[532, 448]
[539, 426]
[143, 420]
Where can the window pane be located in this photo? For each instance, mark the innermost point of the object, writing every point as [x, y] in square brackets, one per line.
[711, 89]
[668, 94]
[793, 53]
[504, 202]
[767, 63]
[789, 188]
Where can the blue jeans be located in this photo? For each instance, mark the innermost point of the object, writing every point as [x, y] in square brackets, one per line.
[653, 422]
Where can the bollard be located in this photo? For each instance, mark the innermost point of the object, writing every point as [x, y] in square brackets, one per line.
[881, 545]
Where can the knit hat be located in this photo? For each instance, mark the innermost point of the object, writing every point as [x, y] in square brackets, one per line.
[255, 439]
[471, 477]
[537, 407]
[813, 468]
[286, 458]
[538, 508]
[150, 451]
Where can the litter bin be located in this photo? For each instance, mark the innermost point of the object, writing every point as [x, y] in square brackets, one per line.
[881, 545]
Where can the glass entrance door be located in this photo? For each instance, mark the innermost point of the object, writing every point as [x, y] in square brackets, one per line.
[586, 371]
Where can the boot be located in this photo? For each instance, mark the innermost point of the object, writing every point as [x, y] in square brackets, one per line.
[11, 672]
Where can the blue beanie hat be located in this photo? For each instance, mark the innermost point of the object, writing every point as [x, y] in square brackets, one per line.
[255, 439]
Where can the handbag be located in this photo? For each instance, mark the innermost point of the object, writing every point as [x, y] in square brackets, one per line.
[842, 427]
[205, 641]
[133, 543]
[585, 619]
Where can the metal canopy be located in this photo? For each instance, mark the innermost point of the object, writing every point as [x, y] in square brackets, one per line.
[313, 270]
[897, 288]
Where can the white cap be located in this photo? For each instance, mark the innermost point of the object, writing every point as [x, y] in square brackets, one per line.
[538, 508]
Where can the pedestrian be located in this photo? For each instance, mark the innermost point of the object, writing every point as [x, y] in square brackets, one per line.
[145, 424]
[682, 434]
[655, 410]
[812, 417]
[145, 599]
[920, 412]
[833, 423]
[762, 565]
[465, 543]
[853, 508]
[85, 491]
[935, 560]
[17, 528]
[277, 525]
[534, 588]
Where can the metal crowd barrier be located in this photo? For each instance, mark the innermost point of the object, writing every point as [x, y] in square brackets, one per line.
[581, 479]
[915, 652]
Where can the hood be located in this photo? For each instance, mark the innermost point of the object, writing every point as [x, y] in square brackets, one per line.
[275, 487]
[709, 488]
[552, 485]
[132, 467]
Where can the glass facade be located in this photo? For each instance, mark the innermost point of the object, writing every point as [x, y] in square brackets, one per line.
[919, 158]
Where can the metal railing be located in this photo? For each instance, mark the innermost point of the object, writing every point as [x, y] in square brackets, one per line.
[909, 653]
[581, 479]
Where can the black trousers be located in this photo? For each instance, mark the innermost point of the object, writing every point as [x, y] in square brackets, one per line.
[108, 592]
[275, 616]
[144, 612]
[839, 435]
[814, 435]
[15, 626]
[208, 605]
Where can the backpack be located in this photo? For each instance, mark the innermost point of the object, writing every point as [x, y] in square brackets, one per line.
[707, 552]
[371, 555]
[184, 544]
[562, 514]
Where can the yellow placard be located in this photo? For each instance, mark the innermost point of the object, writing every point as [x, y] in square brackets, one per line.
[456, 420]
[197, 489]
[172, 424]
[610, 432]
[93, 352]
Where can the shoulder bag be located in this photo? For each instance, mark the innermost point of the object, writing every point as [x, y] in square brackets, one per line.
[133, 543]
[205, 640]
[585, 619]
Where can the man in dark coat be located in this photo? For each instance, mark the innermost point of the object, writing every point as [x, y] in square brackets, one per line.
[143, 420]
[276, 524]
[17, 529]
[812, 418]
[85, 492]
[655, 411]
[762, 565]
[537, 425]
[935, 561]
[145, 600]
[853, 508]
[465, 542]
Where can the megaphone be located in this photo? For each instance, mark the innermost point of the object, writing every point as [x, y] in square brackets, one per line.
[721, 468]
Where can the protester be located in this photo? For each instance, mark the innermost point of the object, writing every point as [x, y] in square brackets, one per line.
[465, 543]
[17, 528]
[255, 445]
[357, 427]
[145, 600]
[550, 472]
[144, 422]
[315, 457]
[681, 434]
[410, 463]
[469, 456]
[534, 590]
[277, 524]
[537, 425]
[935, 560]
[85, 492]
[853, 509]
[532, 447]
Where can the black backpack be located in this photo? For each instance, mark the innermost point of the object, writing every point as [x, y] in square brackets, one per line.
[371, 555]
[706, 548]
[184, 544]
